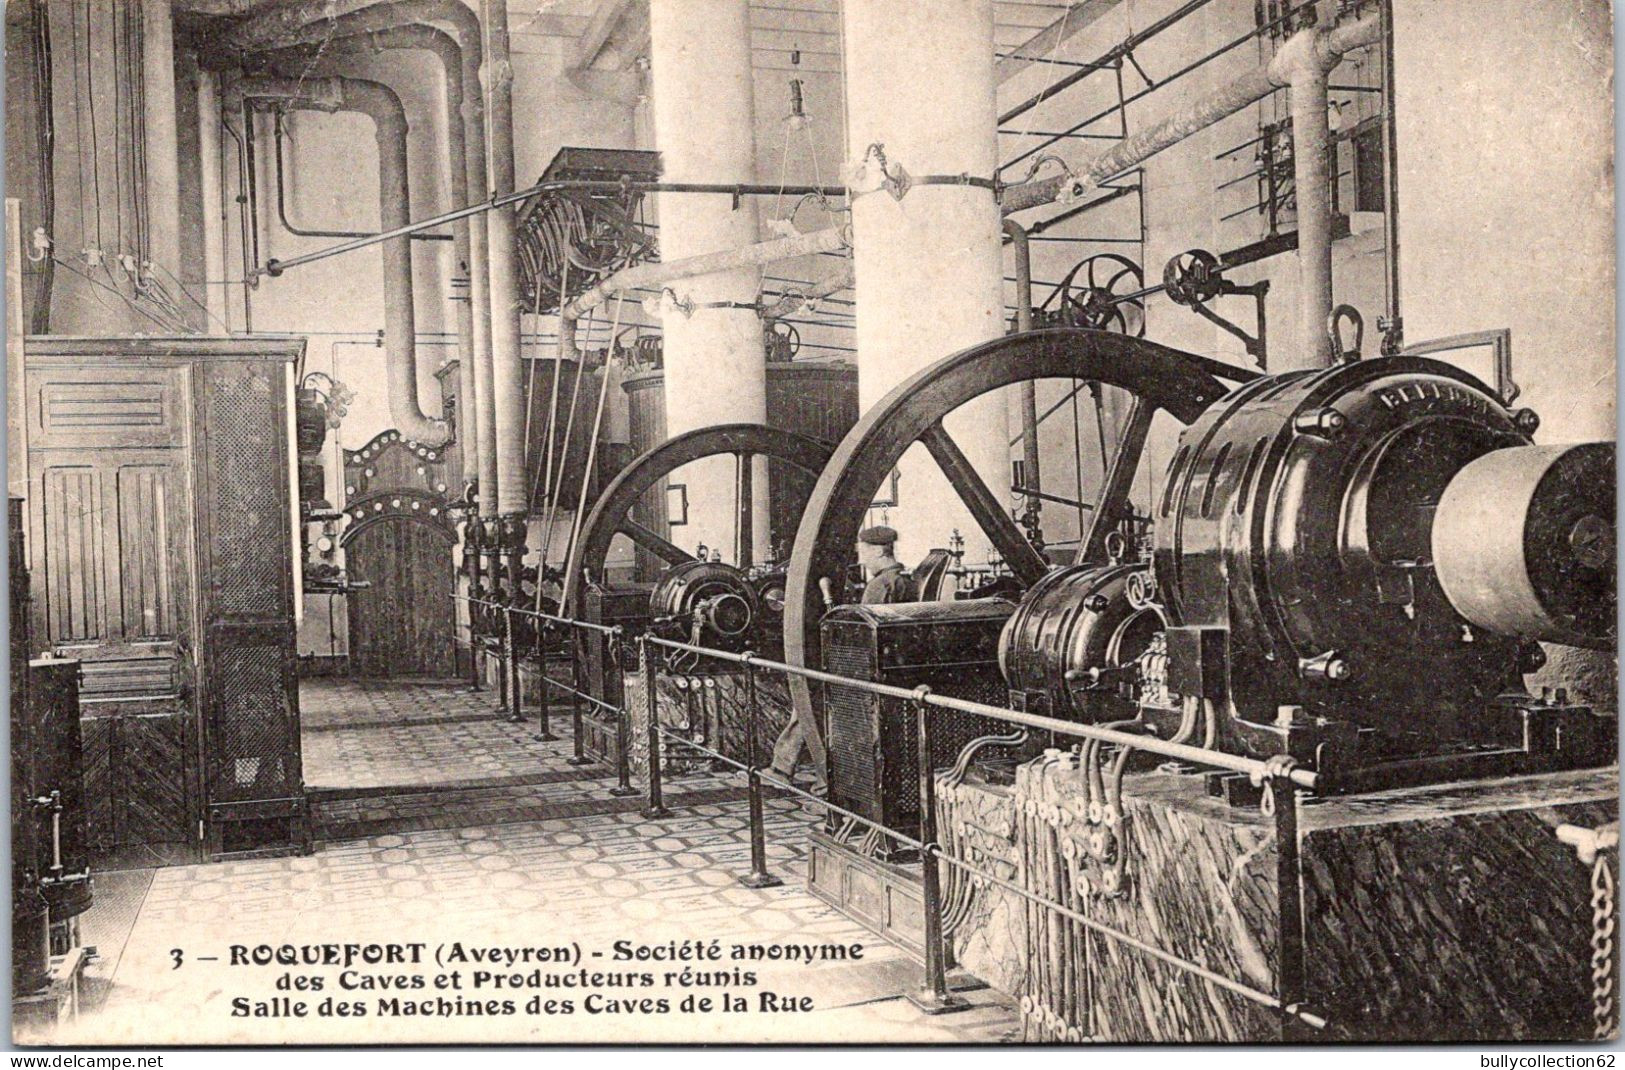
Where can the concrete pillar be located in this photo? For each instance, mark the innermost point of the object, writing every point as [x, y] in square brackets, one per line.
[920, 82]
[704, 117]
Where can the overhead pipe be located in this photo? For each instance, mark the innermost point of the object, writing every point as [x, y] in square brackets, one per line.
[1301, 64]
[1324, 47]
[315, 21]
[1313, 48]
[446, 50]
[507, 385]
[383, 106]
[653, 276]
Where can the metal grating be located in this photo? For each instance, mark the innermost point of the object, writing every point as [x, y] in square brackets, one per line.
[853, 721]
[250, 725]
[247, 499]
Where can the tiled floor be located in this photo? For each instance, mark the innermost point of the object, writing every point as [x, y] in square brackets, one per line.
[537, 855]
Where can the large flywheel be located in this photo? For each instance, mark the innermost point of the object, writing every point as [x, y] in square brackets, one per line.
[1155, 377]
[611, 514]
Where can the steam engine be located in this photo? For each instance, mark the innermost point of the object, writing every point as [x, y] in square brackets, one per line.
[1353, 566]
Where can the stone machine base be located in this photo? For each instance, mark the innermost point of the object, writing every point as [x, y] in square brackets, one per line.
[1448, 913]
[710, 710]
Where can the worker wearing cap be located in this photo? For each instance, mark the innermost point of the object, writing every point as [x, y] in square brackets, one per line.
[888, 582]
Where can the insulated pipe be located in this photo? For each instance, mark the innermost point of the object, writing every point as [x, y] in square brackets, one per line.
[652, 276]
[1311, 155]
[379, 103]
[507, 381]
[446, 50]
[314, 21]
[1320, 47]
[163, 192]
[214, 231]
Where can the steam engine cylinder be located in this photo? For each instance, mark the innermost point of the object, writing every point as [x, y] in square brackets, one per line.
[1295, 547]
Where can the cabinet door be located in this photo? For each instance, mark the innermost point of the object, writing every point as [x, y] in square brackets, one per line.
[109, 545]
[250, 705]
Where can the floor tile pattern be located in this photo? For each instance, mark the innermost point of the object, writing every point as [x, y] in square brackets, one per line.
[436, 822]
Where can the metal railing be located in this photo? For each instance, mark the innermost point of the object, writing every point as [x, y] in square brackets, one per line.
[511, 656]
[1278, 778]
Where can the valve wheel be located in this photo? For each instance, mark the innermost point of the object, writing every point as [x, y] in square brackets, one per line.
[1105, 299]
[1192, 278]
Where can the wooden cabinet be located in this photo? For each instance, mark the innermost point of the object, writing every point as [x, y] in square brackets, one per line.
[162, 549]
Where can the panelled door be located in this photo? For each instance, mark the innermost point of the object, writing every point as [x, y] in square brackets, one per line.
[111, 527]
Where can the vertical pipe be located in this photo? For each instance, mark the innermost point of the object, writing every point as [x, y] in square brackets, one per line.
[1393, 325]
[1022, 249]
[507, 396]
[163, 192]
[705, 122]
[1311, 166]
[933, 996]
[214, 241]
[394, 209]
[657, 806]
[758, 877]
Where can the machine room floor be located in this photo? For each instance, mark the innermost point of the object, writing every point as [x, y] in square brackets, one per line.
[474, 861]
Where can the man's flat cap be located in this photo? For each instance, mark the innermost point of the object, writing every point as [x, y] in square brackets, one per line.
[878, 536]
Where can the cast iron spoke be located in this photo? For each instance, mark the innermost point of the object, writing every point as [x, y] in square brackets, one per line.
[1112, 506]
[664, 549]
[1025, 562]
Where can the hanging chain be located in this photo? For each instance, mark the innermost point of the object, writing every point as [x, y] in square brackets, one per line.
[1603, 912]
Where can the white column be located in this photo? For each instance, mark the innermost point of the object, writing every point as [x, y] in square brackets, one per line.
[705, 123]
[929, 267]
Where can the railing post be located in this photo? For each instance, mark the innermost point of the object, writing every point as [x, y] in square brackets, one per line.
[475, 684]
[544, 730]
[623, 731]
[933, 996]
[758, 877]
[579, 747]
[656, 807]
[510, 668]
[1281, 803]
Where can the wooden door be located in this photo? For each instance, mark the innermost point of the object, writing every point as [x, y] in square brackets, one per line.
[111, 523]
[401, 625]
